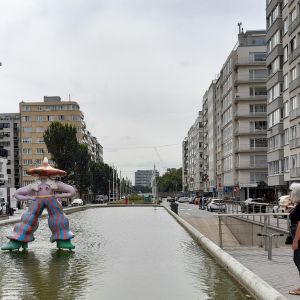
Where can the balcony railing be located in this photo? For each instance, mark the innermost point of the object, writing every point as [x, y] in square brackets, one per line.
[294, 84]
[248, 130]
[248, 114]
[258, 165]
[244, 148]
[295, 113]
[294, 54]
[249, 61]
[294, 25]
[295, 172]
[294, 143]
[244, 96]
[247, 78]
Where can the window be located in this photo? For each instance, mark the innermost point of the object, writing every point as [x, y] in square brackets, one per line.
[27, 151]
[257, 74]
[293, 15]
[257, 56]
[274, 92]
[39, 129]
[285, 53]
[26, 108]
[293, 132]
[39, 140]
[285, 81]
[274, 41]
[258, 143]
[27, 129]
[39, 118]
[258, 91]
[286, 109]
[275, 65]
[257, 108]
[285, 25]
[27, 162]
[286, 164]
[286, 137]
[26, 119]
[61, 118]
[293, 103]
[51, 118]
[39, 150]
[293, 73]
[293, 45]
[27, 140]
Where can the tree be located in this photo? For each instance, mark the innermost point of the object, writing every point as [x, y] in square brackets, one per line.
[61, 142]
[171, 181]
[81, 174]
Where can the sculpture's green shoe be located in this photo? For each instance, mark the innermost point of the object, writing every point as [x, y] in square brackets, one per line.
[64, 244]
[14, 245]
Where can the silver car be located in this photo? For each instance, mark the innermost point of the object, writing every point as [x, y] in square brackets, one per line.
[216, 205]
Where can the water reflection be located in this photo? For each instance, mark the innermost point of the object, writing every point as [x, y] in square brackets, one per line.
[61, 276]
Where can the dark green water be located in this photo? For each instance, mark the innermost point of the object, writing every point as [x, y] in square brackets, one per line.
[121, 253]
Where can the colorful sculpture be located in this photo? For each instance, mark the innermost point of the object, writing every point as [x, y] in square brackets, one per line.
[43, 193]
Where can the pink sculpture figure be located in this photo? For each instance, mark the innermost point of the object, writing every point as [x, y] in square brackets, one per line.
[43, 193]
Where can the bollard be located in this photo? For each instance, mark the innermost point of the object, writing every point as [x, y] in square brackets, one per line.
[174, 207]
[270, 241]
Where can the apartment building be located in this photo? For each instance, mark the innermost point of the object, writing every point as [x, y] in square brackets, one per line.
[9, 140]
[185, 165]
[210, 140]
[194, 179]
[144, 177]
[95, 149]
[283, 38]
[35, 118]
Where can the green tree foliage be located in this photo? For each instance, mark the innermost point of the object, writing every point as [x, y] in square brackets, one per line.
[101, 177]
[61, 142]
[81, 175]
[171, 181]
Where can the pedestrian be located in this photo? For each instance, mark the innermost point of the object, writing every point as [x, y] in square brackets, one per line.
[295, 228]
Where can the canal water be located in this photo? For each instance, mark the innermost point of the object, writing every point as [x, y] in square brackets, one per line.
[121, 253]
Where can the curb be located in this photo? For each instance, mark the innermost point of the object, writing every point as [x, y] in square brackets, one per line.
[254, 284]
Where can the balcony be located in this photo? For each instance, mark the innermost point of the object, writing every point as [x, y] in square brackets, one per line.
[295, 172]
[247, 61]
[294, 54]
[247, 130]
[294, 84]
[294, 143]
[247, 79]
[246, 166]
[295, 113]
[247, 97]
[245, 148]
[294, 25]
[248, 114]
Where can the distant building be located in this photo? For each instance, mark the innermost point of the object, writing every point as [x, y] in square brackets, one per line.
[36, 118]
[9, 147]
[144, 177]
[194, 177]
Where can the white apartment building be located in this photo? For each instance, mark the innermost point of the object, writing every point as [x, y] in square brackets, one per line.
[193, 158]
[283, 62]
[235, 120]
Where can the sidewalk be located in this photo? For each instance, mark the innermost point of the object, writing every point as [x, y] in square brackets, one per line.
[280, 272]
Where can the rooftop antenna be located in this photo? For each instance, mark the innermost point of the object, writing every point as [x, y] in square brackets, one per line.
[240, 25]
[69, 97]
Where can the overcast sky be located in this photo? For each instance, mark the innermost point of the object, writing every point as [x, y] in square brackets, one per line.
[137, 68]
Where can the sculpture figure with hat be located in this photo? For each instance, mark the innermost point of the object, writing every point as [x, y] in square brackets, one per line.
[44, 192]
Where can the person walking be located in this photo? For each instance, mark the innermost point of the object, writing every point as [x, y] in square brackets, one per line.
[295, 228]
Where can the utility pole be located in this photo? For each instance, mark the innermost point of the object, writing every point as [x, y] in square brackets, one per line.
[113, 184]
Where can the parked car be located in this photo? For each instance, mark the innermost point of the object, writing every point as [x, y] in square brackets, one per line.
[284, 205]
[100, 199]
[170, 199]
[77, 202]
[254, 205]
[216, 205]
[184, 200]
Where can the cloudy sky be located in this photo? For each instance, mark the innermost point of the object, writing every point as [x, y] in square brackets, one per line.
[138, 68]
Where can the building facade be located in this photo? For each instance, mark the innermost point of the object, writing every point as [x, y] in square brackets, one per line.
[35, 118]
[9, 140]
[235, 121]
[283, 32]
[144, 177]
[194, 178]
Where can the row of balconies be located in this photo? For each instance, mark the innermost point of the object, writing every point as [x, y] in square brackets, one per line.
[249, 130]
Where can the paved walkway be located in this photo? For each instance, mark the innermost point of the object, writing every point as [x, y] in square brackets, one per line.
[280, 272]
